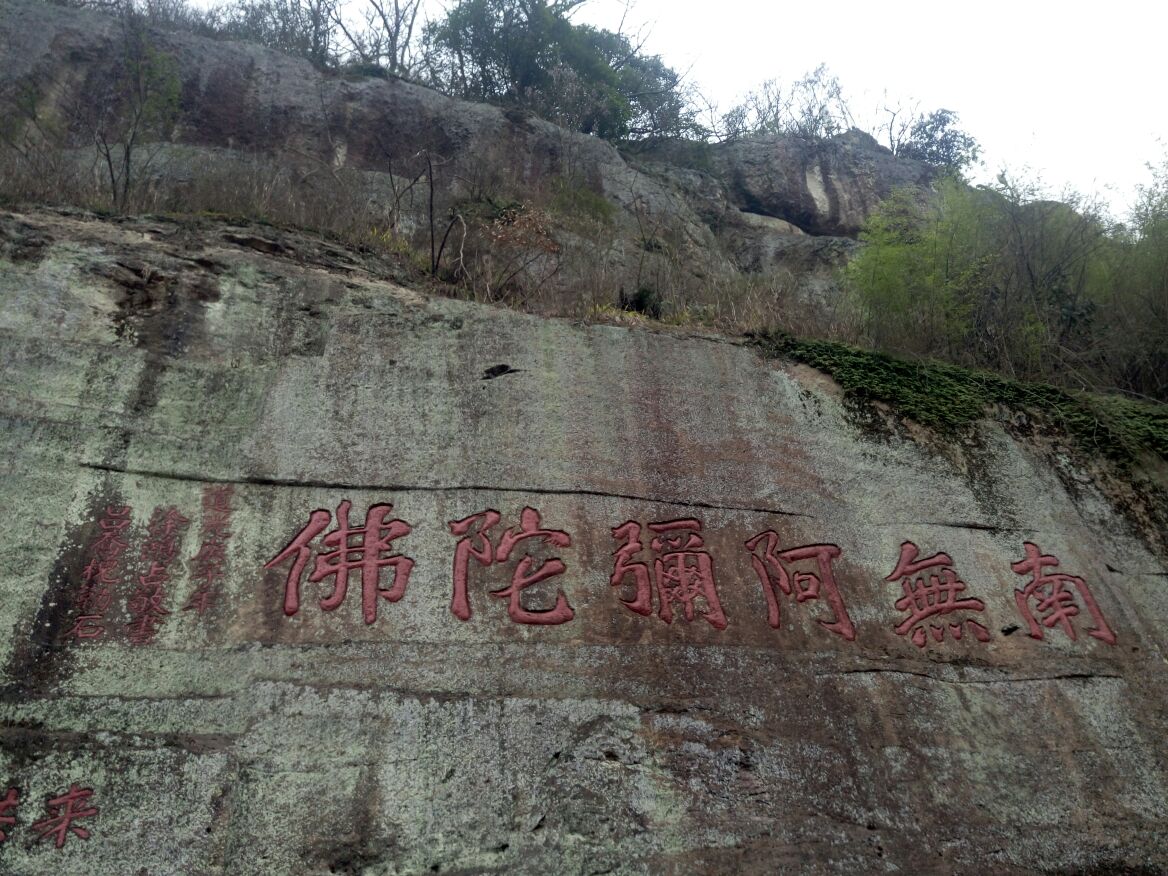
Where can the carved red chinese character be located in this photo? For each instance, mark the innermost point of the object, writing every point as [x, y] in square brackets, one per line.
[163, 533]
[101, 575]
[8, 804]
[1055, 603]
[368, 548]
[682, 570]
[476, 544]
[771, 565]
[208, 565]
[932, 596]
[147, 604]
[63, 811]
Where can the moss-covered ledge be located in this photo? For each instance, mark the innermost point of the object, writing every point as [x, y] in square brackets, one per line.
[948, 398]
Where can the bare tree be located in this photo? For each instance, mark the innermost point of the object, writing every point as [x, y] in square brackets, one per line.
[896, 122]
[387, 36]
[135, 104]
[814, 107]
[305, 28]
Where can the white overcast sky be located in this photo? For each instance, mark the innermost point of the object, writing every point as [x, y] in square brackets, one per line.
[1071, 93]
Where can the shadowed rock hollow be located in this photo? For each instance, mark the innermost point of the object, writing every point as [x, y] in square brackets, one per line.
[190, 409]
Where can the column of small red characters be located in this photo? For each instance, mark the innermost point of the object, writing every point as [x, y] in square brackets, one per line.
[102, 574]
[147, 604]
[209, 564]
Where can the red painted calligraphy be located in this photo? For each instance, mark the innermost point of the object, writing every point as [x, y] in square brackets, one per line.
[682, 570]
[932, 597]
[476, 544]
[8, 804]
[207, 566]
[102, 574]
[63, 811]
[367, 548]
[1055, 603]
[771, 565]
[147, 604]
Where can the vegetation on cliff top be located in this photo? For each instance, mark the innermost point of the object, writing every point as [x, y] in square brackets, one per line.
[996, 277]
[532, 54]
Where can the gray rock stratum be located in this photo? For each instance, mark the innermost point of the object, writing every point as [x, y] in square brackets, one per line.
[672, 213]
[643, 602]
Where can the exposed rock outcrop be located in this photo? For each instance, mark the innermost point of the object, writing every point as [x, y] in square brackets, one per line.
[822, 187]
[664, 217]
[190, 408]
[305, 571]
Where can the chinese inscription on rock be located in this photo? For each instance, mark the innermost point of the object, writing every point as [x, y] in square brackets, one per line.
[932, 591]
[475, 544]
[208, 566]
[367, 549]
[682, 573]
[785, 573]
[661, 568]
[1051, 599]
[102, 574]
[147, 604]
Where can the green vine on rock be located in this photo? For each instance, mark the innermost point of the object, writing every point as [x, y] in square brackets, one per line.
[948, 398]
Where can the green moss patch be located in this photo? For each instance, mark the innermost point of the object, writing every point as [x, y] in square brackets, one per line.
[948, 398]
[576, 200]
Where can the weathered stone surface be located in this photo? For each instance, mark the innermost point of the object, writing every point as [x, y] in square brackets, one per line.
[823, 187]
[240, 101]
[145, 363]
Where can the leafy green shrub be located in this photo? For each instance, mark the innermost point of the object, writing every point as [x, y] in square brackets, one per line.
[1001, 278]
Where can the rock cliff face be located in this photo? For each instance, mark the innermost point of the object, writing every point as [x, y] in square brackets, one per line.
[643, 601]
[825, 188]
[693, 218]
